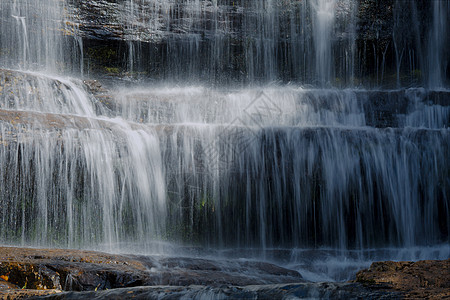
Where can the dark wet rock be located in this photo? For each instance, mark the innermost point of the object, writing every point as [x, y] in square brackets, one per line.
[187, 271]
[269, 292]
[103, 96]
[75, 270]
[64, 269]
[384, 280]
[94, 87]
[96, 19]
[381, 108]
[76, 274]
[438, 98]
[386, 108]
[109, 37]
[5, 285]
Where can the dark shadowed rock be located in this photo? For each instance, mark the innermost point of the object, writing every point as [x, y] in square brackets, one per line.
[75, 270]
[76, 274]
[109, 30]
[266, 292]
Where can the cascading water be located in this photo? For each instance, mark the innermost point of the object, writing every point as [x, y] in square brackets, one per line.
[323, 25]
[361, 174]
[438, 39]
[32, 34]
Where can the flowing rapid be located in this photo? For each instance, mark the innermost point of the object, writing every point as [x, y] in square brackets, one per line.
[274, 130]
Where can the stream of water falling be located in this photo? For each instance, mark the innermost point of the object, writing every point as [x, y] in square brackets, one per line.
[324, 15]
[437, 37]
[322, 180]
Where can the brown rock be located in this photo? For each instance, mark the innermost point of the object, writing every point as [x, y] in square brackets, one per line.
[76, 270]
[423, 279]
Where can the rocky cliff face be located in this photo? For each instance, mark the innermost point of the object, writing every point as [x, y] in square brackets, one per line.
[373, 43]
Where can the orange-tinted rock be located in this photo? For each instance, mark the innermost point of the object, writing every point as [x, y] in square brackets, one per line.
[423, 279]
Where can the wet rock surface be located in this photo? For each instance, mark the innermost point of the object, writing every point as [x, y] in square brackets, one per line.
[109, 28]
[75, 270]
[76, 274]
[280, 291]
[426, 279]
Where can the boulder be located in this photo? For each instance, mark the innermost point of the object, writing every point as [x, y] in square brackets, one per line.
[77, 270]
[426, 279]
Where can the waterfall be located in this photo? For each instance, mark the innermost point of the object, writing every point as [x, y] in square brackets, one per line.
[437, 42]
[323, 25]
[32, 34]
[308, 42]
[272, 160]
[224, 124]
[420, 42]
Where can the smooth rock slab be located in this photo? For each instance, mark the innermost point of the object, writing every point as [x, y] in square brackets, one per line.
[75, 270]
[45, 273]
[266, 292]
